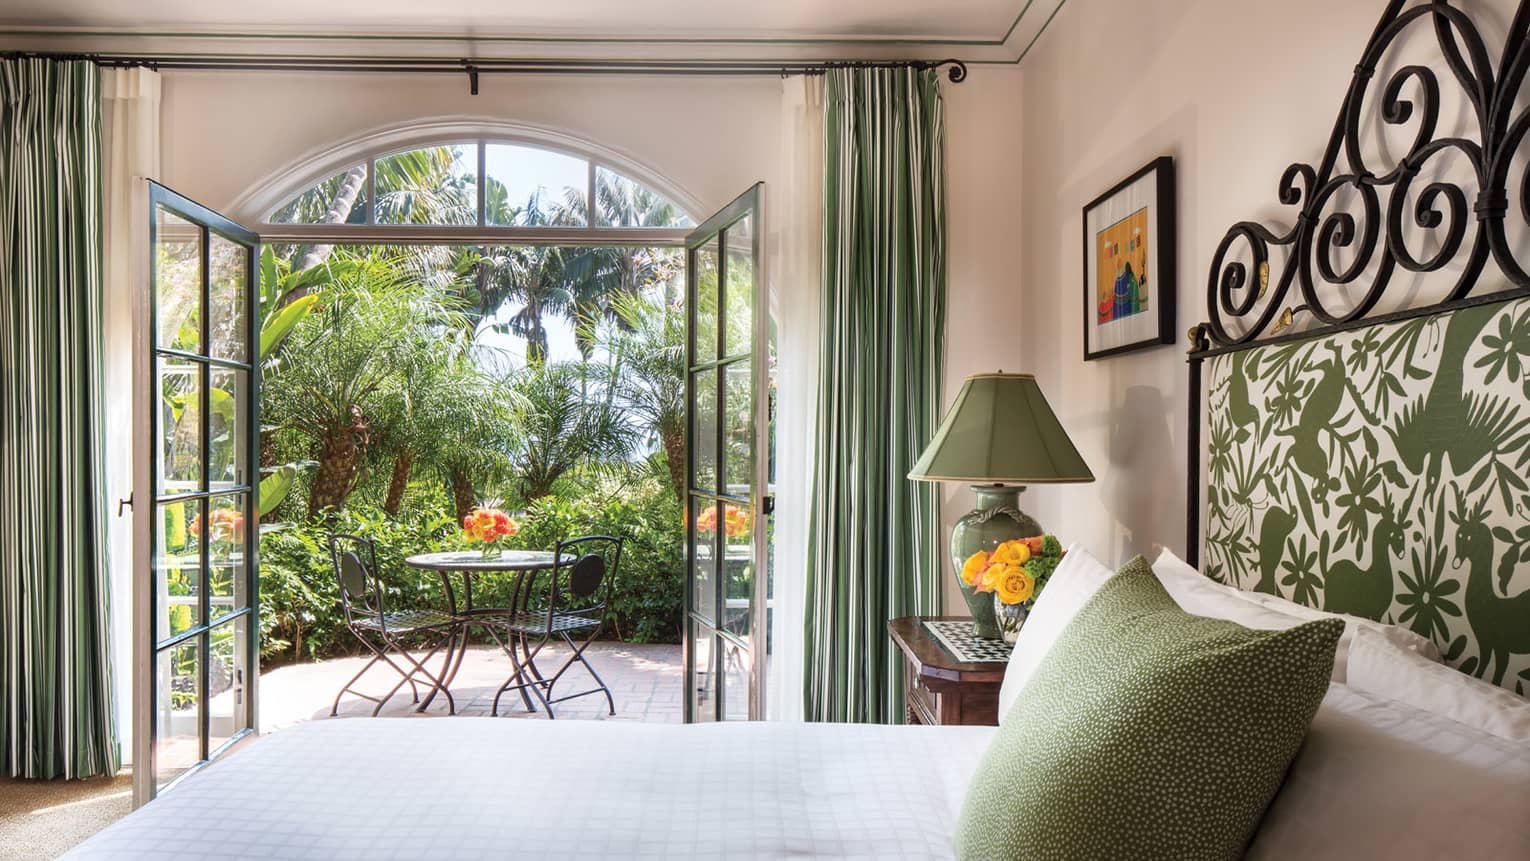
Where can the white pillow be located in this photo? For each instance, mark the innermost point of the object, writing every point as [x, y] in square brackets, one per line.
[1376, 667]
[1221, 601]
[1077, 578]
[1398, 636]
[1204, 596]
[1380, 779]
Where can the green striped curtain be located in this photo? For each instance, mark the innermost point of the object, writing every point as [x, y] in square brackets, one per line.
[872, 546]
[56, 716]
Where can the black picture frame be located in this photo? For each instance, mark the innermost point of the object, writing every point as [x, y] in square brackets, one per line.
[1159, 246]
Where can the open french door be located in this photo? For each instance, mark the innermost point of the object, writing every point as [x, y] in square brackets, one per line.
[727, 465]
[196, 469]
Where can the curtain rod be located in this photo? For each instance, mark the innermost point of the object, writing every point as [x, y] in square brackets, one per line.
[956, 70]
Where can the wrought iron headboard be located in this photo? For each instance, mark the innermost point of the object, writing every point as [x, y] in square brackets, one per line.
[1469, 230]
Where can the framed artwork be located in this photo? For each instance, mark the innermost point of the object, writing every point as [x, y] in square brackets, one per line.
[1129, 279]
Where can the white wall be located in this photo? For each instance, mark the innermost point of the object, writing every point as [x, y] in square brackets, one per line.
[1235, 91]
[983, 314]
[225, 132]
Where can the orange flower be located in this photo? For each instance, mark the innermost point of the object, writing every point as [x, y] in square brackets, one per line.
[227, 525]
[992, 575]
[735, 522]
[974, 566]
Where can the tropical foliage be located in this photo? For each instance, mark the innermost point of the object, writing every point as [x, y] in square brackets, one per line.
[392, 409]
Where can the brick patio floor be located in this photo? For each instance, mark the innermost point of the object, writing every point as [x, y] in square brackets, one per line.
[645, 681]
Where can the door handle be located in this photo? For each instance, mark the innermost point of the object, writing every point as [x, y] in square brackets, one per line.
[124, 502]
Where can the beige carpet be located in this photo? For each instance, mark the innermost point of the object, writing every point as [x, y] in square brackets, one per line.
[45, 819]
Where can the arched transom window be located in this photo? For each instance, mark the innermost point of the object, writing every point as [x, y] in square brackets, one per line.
[479, 190]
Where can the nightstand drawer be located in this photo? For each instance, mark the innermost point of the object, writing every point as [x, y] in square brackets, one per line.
[923, 704]
[937, 688]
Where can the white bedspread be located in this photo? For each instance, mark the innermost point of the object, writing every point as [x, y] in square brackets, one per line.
[482, 787]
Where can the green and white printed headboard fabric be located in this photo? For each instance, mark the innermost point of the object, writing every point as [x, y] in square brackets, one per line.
[1382, 472]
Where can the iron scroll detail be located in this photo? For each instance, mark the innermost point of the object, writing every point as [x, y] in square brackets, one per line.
[1358, 247]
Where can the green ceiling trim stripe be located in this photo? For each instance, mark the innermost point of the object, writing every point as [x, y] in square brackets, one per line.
[575, 40]
[1015, 23]
[1044, 25]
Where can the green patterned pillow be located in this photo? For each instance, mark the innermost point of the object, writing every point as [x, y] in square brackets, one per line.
[1146, 733]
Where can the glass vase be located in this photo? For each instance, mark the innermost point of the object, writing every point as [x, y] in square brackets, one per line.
[1008, 618]
[493, 551]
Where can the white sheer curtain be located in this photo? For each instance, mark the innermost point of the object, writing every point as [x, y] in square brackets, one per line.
[130, 110]
[795, 213]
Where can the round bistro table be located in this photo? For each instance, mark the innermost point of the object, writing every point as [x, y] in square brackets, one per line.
[471, 564]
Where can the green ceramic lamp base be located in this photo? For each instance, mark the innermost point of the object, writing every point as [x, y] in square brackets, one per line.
[996, 519]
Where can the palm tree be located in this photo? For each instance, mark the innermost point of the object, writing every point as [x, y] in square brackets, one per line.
[425, 186]
[534, 276]
[340, 363]
[649, 350]
[562, 429]
[422, 186]
[600, 277]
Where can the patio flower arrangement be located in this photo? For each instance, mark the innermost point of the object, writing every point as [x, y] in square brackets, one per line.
[1015, 572]
[490, 528]
[227, 526]
[736, 522]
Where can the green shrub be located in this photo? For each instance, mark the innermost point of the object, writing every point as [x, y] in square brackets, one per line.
[300, 613]
[648, 602]
[301, 616]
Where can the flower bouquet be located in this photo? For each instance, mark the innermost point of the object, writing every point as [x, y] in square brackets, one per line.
[227, 527]
[736, 522]
[1015, 572]
[490, 528]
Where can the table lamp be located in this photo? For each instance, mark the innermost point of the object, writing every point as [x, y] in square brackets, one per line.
[999, 436]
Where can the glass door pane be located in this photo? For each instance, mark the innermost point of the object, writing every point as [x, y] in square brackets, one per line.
[196, 537]
[725, 466]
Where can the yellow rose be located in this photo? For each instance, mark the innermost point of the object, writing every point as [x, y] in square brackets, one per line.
[992, 575]
[1012, 553]
[975, 564]
[1015, 586]
[1004, 553]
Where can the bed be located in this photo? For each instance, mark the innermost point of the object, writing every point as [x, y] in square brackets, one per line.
[421, 788]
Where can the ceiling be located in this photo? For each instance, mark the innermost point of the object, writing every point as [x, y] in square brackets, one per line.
[974, 30]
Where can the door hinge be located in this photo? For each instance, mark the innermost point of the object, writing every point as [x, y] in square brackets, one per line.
[769, 506]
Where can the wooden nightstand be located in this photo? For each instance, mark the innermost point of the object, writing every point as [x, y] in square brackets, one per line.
[938, 688]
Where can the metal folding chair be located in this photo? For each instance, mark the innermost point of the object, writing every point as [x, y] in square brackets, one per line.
[366, 615]
[578, 593]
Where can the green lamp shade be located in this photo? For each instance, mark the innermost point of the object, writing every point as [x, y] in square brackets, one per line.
[1001, 431]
